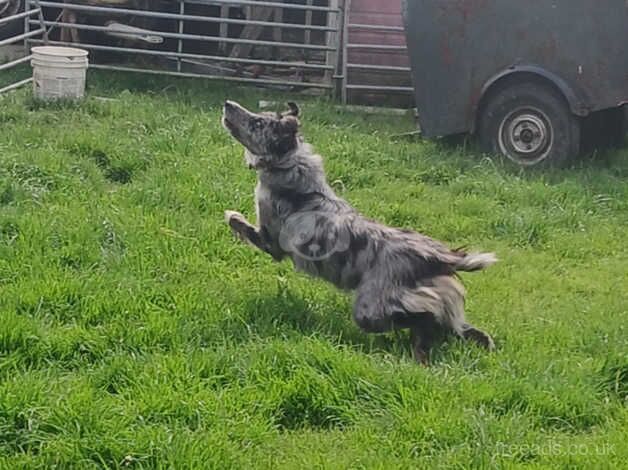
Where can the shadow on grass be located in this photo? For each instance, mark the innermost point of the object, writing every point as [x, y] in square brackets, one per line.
[286, 314]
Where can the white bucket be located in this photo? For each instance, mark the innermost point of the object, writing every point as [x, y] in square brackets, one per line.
[59, 72]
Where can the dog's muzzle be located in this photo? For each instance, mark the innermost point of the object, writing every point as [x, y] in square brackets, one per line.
[227, 111]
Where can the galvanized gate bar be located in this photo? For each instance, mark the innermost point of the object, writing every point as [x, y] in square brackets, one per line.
[194, 37]
[217, 77]
[20, 37]
[13, 63]
[179, 16]
[17, 16]
[185, 55]
[293, 6]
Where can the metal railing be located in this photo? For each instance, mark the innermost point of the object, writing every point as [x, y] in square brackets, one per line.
[269, 43]
[32, 9]
[402, 73]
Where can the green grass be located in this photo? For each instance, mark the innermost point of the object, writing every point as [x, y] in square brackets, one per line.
[15, 74]
[135, 332]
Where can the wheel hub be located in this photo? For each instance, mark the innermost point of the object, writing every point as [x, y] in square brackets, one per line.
[525, 136]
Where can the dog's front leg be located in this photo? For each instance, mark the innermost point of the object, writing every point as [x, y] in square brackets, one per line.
[246, 231]
[243, 229]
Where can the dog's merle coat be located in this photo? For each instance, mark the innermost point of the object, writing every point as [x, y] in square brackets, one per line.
[402, 279]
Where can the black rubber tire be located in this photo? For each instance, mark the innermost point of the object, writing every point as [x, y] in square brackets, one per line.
[535, 111]
[15, 27]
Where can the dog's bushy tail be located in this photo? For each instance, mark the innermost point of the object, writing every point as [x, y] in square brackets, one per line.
[476, 261]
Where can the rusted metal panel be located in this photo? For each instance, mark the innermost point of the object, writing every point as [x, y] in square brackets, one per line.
[377, 13]
[457, 46]
[378, 70]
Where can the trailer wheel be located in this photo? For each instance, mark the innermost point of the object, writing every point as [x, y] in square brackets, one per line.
[531, 124]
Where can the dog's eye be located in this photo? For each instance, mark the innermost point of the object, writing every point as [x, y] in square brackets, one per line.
[258, 124]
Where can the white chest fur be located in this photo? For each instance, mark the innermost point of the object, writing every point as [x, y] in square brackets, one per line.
[263, 205]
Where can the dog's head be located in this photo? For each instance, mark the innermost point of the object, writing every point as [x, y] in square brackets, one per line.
[267, 136]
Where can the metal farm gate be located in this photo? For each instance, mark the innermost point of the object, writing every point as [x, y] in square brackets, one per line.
[13, 16]
[287, 45]
[353, 47]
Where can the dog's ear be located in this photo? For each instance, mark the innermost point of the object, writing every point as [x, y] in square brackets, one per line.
[293, 109]
[290, 124]
[286, 135]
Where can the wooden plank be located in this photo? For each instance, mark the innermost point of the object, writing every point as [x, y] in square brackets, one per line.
[332, 40]
[308, 22]
[378, 6]
[345, 53]
[277, 31]
[278, 18]
[181, 29]
[224, 13]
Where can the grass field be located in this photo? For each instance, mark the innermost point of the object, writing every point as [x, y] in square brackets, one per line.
[135, 332]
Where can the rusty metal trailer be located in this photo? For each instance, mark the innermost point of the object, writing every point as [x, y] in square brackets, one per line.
[521, 75]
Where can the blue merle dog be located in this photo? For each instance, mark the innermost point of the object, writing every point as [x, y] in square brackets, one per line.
[402, 279]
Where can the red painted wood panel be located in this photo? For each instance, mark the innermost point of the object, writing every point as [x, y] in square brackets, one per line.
[377, 13]
[381, 13]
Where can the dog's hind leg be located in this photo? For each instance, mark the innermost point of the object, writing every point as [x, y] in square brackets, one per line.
[444, 297]
[451, 292]
[378, 309]
[249, 233]
[423, 331]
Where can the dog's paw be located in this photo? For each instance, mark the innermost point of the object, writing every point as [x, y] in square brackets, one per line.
[232, 215]
[237, 223]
